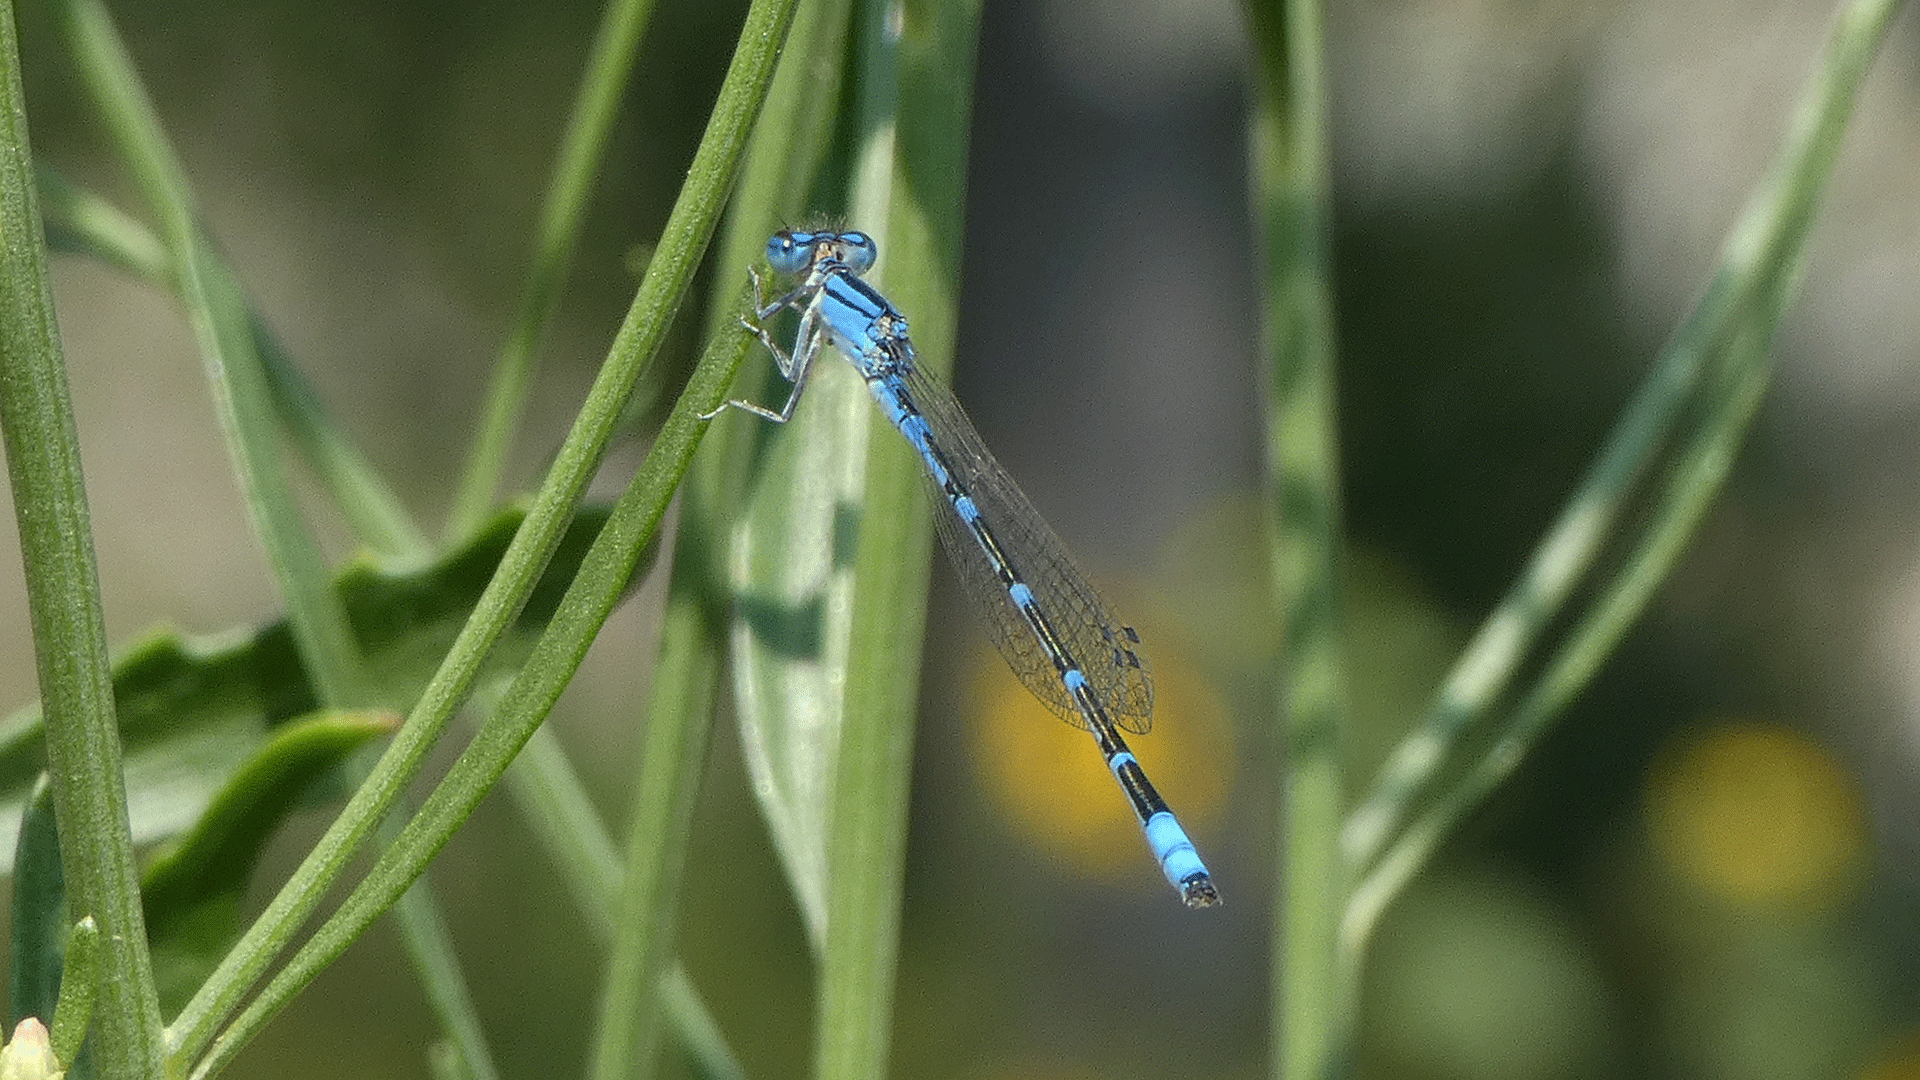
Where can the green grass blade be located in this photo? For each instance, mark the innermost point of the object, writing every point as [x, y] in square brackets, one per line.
[63, 608]
[603, 576]
[704, 1047]
[1314, 991]
[680, 712]
[755, 555]
[553, 800]
[83, 223]
[791, 555]
[430, 949]
[561, 218]
[914, 94]
[679, 726]
[589, 599]
[362, 495]
[1715, 371]
[224, 331]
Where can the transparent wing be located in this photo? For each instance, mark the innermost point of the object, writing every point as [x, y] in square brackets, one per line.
[1105, 649]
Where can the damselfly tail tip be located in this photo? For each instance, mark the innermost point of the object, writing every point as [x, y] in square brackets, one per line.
[1198, 892]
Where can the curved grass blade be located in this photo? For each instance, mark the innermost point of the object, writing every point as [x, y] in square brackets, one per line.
[201, 1042]
[562, 215]
[1712, 376]
[81, 222]
[787, 142]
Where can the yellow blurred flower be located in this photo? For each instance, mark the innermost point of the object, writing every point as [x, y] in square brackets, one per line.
[1051, 787]
[1757, 814]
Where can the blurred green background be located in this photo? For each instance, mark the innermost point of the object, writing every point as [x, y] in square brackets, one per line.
[1707, 871]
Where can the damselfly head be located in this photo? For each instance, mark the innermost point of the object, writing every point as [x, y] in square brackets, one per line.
[792, 251]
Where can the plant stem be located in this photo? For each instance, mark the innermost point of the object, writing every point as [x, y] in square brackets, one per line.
[63, 606]
[908, 194]
[568, 195]
[1314, 992]
[683, 242]
[223, 330]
